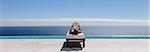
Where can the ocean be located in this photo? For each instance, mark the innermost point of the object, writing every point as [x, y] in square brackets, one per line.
[90, 31]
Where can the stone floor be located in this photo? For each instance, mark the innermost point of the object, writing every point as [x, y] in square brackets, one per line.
[92, 45]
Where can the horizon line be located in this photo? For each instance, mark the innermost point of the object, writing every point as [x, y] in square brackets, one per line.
[68, 21]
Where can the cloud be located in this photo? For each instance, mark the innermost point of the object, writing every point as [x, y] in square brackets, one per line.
[68, 21]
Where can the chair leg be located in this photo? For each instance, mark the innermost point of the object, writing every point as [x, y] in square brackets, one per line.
[67, 43]
[83, 43]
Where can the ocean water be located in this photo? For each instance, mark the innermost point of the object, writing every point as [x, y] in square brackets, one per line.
[60, 31]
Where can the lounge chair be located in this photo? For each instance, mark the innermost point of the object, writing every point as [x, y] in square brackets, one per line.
[79, 37]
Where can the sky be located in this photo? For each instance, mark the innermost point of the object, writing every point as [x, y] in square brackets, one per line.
[72, 9]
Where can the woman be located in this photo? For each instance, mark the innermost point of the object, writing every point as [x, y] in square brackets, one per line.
[75, 28]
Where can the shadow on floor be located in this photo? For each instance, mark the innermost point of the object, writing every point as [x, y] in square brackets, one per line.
[72, 46]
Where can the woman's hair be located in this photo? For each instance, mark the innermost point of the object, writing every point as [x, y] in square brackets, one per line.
[75, 23]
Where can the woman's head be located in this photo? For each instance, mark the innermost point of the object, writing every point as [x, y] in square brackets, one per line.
[75, 23]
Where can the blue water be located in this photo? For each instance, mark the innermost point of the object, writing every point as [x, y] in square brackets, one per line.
[60, 31]
[34, 31]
